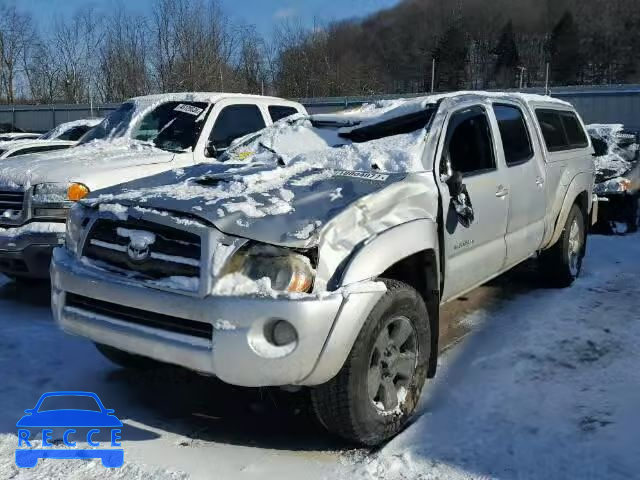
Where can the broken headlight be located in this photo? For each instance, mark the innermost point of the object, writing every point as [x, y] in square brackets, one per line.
[74, 227]
[287, 270]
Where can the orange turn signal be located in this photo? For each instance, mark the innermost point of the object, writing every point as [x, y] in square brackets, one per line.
[77, 191]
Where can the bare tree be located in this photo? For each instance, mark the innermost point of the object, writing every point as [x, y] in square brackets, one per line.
[123, 57]
[15, 32]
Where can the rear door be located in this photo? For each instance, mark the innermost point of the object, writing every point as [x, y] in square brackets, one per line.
[475, 253]
[525, 177]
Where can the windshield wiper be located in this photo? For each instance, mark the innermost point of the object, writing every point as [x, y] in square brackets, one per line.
[279, 158]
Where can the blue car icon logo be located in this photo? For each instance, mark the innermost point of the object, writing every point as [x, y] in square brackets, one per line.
[94, 417]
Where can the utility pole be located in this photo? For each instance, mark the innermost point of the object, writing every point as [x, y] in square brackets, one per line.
[546, 81]
[433, 74]
[522, 71]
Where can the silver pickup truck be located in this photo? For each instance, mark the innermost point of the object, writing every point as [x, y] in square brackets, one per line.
[317, 252]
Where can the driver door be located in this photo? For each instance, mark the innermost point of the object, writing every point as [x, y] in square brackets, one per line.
[476, 252]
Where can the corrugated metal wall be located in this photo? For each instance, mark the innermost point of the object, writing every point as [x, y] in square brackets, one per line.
[607, 104]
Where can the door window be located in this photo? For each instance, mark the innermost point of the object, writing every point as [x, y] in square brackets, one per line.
[278, 112]
[516, 141]
[233, 122]
[469, 145]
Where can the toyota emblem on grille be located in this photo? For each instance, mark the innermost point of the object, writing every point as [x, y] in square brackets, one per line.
[139, 242]
[138, 253]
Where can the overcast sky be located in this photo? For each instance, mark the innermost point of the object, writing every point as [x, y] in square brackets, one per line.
[262, 13]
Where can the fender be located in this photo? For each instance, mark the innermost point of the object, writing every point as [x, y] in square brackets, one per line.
[375, 256]
[582, 182]
[381, 251]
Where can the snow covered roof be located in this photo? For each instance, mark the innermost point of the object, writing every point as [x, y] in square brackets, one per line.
[197, 97]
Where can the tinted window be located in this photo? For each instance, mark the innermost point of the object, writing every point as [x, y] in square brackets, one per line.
[278, 112]
[469, 145]
[575, 132]
[514, 133]
[235, 121]
[74, 133]
[552, 130]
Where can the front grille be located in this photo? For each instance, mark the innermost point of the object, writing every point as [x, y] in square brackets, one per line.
[140, 317]
[11, 204]
[174, 252]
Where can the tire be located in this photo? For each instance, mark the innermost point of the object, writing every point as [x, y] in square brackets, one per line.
[561, 264]
[126, 359]
[350, 405]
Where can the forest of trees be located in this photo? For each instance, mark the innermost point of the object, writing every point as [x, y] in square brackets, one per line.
[187, 45]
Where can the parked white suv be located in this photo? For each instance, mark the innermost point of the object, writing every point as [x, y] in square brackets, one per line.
[318, 253]
[144, 136]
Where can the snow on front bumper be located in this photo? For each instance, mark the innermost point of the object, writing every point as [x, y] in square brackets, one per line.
[26, 249]
[221, 336]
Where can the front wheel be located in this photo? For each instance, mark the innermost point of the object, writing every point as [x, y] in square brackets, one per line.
[562, 263]
[378, 387]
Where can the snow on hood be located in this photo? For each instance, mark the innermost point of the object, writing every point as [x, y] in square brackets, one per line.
[278, 205]
[621, 158]
[96, 164]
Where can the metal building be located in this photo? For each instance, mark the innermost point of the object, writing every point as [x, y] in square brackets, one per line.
[597, 104]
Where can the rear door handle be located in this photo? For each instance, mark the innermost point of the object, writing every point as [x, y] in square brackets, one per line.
[502, 191]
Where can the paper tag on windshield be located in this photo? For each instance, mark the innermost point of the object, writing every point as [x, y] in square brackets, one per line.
[190, 109]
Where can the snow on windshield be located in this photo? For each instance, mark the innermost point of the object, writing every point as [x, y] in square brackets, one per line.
[61, 129]
[341, 141]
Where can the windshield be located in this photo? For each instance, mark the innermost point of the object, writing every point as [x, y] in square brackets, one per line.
[384, 142]
[114, 125]
[173, 126]
[66, 402]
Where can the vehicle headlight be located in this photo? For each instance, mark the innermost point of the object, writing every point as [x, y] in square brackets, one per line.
[59, 193]
[615, 185]
[287, 270]
[74, 227]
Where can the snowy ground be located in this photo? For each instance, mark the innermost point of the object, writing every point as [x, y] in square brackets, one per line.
[546, 385]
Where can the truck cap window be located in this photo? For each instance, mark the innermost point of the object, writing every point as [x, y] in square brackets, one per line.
[561, 130]
[516, 141]
[235, 121]
[469, 145]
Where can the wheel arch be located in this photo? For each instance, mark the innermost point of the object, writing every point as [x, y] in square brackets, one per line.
[408, 253]
[579, 192]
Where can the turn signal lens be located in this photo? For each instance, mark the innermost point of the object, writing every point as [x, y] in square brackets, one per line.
[77, 191]
[625, 184]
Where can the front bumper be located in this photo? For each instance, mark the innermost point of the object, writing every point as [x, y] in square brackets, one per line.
[28, 253]
[237, 351]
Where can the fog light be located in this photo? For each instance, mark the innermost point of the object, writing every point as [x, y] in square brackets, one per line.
[283, 333]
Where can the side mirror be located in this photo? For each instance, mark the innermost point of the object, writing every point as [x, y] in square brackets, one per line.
[210, 150]
[454, 182]
[460, 199]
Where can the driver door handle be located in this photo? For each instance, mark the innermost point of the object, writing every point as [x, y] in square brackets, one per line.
[502, 191]
[539, 181]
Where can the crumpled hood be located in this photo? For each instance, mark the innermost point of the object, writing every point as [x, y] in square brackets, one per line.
[277, 205]
[96, 165]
